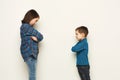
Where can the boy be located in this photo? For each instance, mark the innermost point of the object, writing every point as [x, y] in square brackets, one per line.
[81, 49]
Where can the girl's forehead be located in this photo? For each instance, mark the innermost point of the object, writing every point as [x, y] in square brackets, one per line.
[36, 18]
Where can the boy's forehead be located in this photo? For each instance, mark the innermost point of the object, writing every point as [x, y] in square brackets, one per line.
[76, 31]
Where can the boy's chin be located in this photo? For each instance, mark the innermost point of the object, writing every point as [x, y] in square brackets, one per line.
[79, 39]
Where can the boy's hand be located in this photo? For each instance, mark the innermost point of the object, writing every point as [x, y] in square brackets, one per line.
[34, 38]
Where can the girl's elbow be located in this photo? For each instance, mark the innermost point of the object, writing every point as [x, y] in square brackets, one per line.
[41, 38]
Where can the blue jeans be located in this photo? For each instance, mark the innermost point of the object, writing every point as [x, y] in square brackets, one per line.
[31, 63]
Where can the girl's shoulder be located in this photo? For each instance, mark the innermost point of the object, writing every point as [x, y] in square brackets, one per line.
[25, 24]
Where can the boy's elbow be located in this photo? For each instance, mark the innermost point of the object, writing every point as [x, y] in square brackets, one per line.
[73, 49]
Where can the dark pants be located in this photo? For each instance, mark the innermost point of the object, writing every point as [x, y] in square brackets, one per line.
[84, 72]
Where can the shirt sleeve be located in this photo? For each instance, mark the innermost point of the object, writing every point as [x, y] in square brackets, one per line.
[39, 36]
[78, 47]
[30, 31]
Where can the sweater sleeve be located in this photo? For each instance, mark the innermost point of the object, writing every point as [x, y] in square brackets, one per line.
[78, 47]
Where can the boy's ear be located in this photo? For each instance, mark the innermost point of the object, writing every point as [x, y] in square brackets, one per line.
[83, 34]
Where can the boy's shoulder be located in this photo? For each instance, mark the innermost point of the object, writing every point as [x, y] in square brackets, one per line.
[84, 40]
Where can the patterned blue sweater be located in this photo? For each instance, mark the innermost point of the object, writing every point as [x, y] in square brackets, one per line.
[28, 46]
[81, 49]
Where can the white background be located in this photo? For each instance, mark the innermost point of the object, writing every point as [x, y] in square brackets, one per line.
[57, 23]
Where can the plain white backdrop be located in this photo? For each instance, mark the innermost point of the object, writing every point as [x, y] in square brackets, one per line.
[58, 20]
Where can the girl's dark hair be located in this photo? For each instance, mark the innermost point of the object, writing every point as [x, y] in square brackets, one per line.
[82, 29]
[31, 14]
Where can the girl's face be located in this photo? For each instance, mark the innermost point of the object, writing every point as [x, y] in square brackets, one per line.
[79, 36]
[33, 21]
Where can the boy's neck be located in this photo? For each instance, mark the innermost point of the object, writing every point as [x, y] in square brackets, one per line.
[82, 39]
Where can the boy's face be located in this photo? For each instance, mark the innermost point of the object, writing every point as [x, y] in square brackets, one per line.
[79, 36]
[33, 21]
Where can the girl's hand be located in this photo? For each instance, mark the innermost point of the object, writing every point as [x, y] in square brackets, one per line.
[34, 38]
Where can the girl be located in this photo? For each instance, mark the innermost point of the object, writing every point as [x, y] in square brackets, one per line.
[30, 38]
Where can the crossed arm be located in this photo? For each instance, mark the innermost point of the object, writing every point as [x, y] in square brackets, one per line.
[34, 34]
[78, 47]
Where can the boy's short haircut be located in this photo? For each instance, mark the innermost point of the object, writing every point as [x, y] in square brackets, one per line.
[82, 29]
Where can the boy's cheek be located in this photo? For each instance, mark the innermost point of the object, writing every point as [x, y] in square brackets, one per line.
[77, 38]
